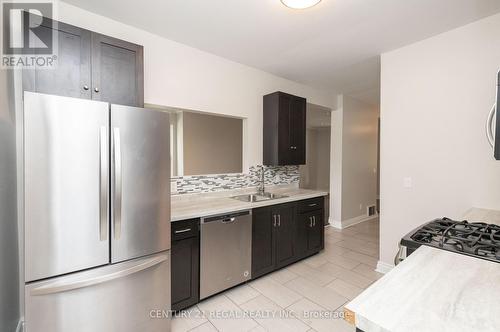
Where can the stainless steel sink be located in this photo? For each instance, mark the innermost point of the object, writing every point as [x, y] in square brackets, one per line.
[251, 198]
[274, 196]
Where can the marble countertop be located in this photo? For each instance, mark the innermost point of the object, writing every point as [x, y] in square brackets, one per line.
[202, 205]
[432, 290]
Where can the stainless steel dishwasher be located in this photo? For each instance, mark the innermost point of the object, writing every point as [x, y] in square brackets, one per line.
[226, 252]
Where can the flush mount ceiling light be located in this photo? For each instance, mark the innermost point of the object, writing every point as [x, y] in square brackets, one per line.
[300, 4]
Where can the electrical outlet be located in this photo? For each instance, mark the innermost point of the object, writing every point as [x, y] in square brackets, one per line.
[408, 182]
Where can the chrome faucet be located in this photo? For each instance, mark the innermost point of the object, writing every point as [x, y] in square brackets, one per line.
[262, 188]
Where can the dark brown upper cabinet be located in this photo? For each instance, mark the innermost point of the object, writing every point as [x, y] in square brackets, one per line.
[72, 76]
[117, 71]
[284, 129]
[90, 66]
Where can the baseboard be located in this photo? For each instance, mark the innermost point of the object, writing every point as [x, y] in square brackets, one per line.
[335, 223]
[383, 267]
[351, 222]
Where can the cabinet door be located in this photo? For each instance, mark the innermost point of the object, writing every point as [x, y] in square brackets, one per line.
[297, 131]
[316, 231]
[302, 227]
[284, 137]
[185, 273]
[71, 76]
[263, 258]
[285, 233]
[117, 71]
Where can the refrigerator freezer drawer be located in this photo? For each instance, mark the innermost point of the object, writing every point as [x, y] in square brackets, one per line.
[115, 298]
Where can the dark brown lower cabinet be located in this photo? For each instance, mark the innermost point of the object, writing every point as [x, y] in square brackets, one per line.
[309, 233]
[310, 228]
[285, 234]
[301, 235]
[281, 235]
[272, 238]
[185, 270]
[263, 241]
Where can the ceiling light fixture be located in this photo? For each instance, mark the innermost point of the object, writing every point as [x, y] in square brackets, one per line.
[300, 4]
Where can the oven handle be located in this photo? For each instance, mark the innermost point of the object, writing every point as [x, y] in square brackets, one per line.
[401, 255]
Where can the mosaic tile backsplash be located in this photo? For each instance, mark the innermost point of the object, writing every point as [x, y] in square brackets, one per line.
[279, 175]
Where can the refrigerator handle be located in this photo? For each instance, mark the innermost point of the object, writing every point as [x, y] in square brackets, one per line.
[61, 286]
[489, 127]
[103, 184]
[117, 197]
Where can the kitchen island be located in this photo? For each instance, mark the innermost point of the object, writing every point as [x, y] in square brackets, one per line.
[432, 290]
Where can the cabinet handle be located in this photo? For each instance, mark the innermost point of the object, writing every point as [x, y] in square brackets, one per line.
[96, 90]
[85, 87]
[183, 231]
[310, 222]
[274, 220]
[313, 204]
[314, 220]
[279, 220]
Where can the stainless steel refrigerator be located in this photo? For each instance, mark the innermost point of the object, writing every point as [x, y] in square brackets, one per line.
[96, 216]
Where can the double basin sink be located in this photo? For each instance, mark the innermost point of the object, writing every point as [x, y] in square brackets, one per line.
[252, 198]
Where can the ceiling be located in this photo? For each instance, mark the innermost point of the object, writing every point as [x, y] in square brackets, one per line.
[334, 45]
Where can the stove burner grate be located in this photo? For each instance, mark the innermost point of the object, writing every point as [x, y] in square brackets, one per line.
[476, 239]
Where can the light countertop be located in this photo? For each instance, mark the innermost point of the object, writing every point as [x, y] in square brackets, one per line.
[432, 290]
[201, 205]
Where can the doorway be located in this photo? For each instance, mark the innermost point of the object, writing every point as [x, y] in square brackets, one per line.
[315, 174]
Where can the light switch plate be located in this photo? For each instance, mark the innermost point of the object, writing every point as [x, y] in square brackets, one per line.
[408, 182]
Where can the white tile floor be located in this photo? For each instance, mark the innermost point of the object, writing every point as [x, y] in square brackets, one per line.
[298, 297]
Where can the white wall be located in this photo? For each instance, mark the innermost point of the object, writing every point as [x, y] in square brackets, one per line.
[436, 95]
[354, 149]
[180, 76]
[322, 163]
[315, 174]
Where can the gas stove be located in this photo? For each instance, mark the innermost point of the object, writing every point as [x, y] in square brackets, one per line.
[475, 239]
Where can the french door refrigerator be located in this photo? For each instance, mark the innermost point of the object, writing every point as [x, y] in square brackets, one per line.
[96, 216]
